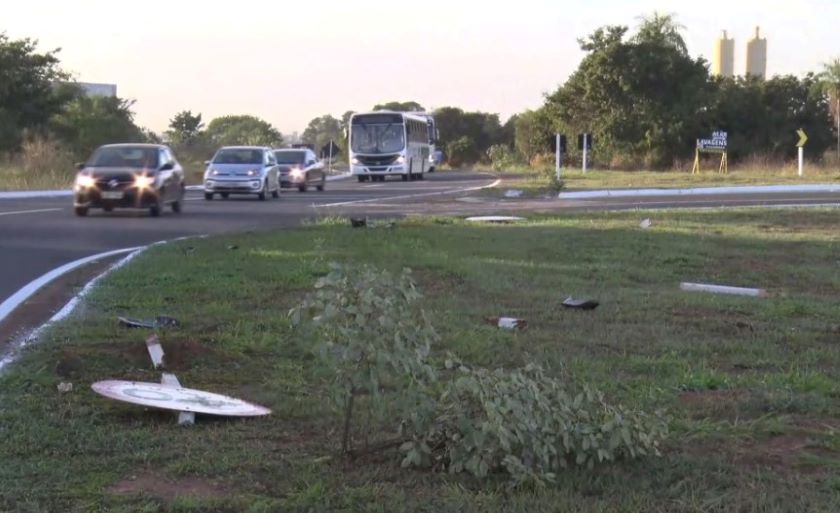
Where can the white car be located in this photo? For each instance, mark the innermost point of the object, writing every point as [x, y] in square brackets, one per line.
[242, 170]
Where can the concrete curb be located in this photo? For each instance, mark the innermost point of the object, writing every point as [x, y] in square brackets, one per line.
[700, 191]
[35, 194]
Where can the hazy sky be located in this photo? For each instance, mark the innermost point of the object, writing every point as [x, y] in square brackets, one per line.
[291, 61]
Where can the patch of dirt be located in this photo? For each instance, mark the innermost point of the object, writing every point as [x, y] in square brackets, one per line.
[168, 489]
[182, 354]
[69, 365]
[782, 453]
[179, 354]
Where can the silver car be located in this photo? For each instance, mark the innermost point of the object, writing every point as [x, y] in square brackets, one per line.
[242, 170]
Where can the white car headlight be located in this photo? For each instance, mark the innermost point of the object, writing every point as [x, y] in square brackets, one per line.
[144, 181]
[297, 173]
[85, 181]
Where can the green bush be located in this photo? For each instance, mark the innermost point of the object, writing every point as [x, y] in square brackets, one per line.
[529, 425]
[369, 334]
[372, 336]
[501, 157]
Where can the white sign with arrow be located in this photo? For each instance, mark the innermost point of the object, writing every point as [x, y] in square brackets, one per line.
[803, 139]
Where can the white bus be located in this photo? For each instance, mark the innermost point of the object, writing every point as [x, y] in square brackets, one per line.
[435, 157]
[387, 143]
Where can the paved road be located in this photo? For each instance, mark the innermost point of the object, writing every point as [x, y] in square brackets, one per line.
[37, 235]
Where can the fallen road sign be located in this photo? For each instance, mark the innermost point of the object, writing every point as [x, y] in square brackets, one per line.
[156, 395]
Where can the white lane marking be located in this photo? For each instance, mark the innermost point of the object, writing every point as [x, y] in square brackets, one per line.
[9, 357]
[29, 290]
[699, 191]
[16, 299]
[407, 196]
[36, 211]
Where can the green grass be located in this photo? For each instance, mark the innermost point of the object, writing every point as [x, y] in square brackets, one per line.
[535, 183]
[13, 178]
[750, 384]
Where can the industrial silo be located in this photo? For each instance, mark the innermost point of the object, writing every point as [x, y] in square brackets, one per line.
[757, 56]
[723, 58]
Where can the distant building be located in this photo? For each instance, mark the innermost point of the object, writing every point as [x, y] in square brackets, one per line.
[92, 89]
[723, 59]
[757, 56]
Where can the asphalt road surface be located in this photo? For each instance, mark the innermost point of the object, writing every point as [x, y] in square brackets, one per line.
[38, 235]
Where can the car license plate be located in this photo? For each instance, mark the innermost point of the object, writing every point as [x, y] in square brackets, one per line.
[112, 195]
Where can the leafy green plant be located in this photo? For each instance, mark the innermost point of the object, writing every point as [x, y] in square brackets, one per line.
[501, 157]
[370, 336]
[529, 425]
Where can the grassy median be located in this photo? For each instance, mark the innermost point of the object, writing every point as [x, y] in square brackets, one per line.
[536, 183]
[749, 384]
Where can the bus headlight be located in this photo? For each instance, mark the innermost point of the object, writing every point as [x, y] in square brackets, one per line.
[356, 161]
[400, 160]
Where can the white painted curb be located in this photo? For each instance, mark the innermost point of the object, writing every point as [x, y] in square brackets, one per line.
[700, 191]
[35, 194]
[9, 305]
[19, 297]
[33, 287]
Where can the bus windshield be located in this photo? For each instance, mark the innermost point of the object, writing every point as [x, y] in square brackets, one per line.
[377, 137]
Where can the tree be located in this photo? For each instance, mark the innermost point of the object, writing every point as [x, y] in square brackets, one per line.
[830, 83]
[322, 130]
[662, 30]
[28, 95]
[185, 127]
[88, 122]
[345, 121]
[461, 151]
[400, 106]
[242, 130]
[474, 133]
[642, 98]
[762, 116]
[532, 134]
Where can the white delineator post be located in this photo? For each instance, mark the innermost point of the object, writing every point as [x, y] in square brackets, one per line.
[801, 159]
[331, 155]
[557, 156]
[585, 152]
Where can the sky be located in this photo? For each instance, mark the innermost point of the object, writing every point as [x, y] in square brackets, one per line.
[288, 62]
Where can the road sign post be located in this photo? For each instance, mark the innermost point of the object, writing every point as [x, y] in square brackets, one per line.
[803, 138]
[331, 155]
[716, 144]
[557, 156]
[585, 152]
[585, 144]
